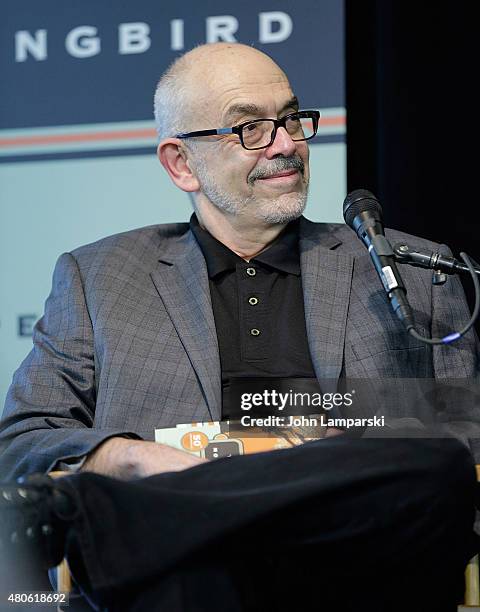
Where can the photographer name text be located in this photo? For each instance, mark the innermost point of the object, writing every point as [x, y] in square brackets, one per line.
[309, 421]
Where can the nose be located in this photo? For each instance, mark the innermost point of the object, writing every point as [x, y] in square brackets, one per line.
[282, 145]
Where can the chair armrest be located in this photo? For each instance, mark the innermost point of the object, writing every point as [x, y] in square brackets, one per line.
[64, 578]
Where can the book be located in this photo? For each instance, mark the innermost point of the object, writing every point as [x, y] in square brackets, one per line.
[216, 439]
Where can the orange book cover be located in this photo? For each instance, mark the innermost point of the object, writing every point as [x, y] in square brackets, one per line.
[215, 439]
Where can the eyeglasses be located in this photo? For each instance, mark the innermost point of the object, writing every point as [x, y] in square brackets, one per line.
[260, 133]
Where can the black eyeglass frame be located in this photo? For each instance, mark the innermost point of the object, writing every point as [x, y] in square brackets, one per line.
[314, 115]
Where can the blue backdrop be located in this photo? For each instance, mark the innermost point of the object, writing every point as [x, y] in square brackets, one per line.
[77, 138]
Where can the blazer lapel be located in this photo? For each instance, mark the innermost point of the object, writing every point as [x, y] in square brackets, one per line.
[326, 280]
[182, 282]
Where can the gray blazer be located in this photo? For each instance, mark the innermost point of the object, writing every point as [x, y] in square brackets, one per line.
[128, 343]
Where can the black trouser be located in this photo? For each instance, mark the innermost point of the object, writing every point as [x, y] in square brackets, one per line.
[338, 524]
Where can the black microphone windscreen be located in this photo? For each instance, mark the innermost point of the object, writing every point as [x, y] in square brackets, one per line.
[360, 200]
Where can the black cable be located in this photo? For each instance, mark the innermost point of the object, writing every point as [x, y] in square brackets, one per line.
[456, 335]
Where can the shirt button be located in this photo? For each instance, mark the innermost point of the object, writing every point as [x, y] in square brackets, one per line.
[251, 271]
[254, 332]
[253, 301]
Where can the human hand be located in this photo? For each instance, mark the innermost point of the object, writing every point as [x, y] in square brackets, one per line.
[127, 459]
[333, 431]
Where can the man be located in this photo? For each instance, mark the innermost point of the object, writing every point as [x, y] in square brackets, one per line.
[129, 341]
[147, 329]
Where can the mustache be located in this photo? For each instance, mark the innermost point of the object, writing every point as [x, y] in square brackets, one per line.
[280, 164]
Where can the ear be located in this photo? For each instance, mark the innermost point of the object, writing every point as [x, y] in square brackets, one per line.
[173, 158]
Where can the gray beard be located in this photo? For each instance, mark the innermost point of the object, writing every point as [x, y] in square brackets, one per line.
[286, 208]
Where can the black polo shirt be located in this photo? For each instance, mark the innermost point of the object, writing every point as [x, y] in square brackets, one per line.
[258, 308]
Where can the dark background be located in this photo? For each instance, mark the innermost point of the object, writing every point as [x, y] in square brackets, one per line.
[411, 74]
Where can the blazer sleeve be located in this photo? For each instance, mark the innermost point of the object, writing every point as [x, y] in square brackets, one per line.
[461, 359]
[456, 366]
[49, 412]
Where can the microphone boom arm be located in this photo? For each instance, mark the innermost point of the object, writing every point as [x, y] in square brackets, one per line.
[431, 260]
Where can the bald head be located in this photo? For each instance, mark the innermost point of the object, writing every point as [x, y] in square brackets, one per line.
[198, 89]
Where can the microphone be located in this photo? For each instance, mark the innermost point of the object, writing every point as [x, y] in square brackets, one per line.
[363, 214]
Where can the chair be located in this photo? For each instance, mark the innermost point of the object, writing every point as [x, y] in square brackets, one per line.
[64, 578]
[472, 577]
[472, 590]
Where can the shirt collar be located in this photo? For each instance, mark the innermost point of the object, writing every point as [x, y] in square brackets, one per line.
[282, 254]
